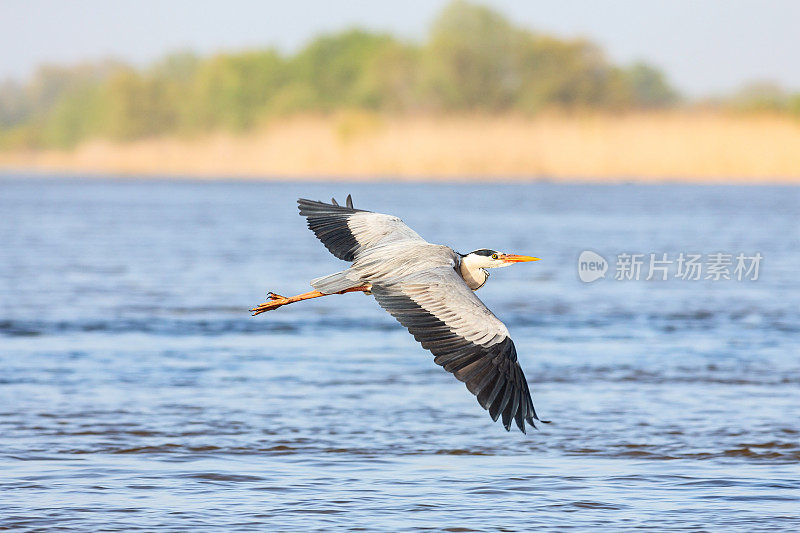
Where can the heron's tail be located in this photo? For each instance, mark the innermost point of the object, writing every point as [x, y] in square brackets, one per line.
[337, 282]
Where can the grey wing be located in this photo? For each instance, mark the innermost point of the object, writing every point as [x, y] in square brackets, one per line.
[346, 231]
[465, 337]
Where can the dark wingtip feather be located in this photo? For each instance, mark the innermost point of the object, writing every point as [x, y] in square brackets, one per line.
[492, 373]
[314, 207]
[349, 201]
[495, 408]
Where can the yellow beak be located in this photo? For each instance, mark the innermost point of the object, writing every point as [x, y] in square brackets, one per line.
[513, 258]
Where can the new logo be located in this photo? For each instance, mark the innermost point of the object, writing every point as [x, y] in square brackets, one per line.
[591, 266]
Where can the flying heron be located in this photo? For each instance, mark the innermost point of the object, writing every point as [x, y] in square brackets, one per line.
[428, 288]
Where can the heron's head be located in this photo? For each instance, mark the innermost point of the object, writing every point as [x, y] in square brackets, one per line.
[485, 258]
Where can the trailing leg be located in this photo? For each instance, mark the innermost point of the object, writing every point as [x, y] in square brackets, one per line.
[276, 300]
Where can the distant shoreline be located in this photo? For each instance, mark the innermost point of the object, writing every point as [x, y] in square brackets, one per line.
[654, 147]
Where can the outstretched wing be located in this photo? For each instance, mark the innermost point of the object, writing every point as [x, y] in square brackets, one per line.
[346, 231]
[465, 337]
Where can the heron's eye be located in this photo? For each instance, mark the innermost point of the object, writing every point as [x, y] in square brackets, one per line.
[494, 256]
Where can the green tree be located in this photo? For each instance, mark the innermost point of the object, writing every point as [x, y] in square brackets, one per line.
[473, 59]
[233, 90]
[565, 74]
[649, 86]
[337, 68]
[761, 96]
[78, 115]
[136, 106]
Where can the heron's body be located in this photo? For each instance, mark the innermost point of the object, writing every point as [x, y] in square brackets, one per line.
[428, 288]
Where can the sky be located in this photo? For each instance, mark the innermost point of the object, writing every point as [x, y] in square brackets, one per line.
[704, 46]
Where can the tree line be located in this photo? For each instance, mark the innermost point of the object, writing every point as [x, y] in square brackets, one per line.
[472, 60]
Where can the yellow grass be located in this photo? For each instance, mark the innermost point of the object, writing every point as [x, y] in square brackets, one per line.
[676, 146]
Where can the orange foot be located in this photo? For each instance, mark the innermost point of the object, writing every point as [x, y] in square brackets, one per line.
[276, 300]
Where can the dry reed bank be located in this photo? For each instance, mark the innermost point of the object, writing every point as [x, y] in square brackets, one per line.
[674, 146]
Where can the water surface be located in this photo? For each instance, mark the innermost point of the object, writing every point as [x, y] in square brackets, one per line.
[137, 393]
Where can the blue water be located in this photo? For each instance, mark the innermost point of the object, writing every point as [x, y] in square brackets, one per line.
[136, 392]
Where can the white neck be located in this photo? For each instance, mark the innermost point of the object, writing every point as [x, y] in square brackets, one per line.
[474, 275]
